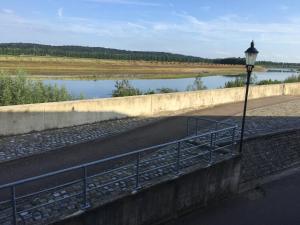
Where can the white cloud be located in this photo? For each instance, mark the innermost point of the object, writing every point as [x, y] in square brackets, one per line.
[225, 36]
[125, 2]
[284, 7]
[8, 11]
[60, 12]
[205, 8]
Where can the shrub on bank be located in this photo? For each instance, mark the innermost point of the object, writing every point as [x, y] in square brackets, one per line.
[270, 81]
[15, 90]
[292, 79]
[124, 88]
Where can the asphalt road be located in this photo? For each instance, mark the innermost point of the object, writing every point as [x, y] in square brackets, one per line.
[275, 203]
[163, 131]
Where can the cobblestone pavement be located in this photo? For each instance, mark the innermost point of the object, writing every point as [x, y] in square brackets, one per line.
[269, 119]
[50, 205]
[14, 147]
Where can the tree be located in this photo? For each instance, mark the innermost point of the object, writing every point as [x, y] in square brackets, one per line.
[197, 85]
[124, 88]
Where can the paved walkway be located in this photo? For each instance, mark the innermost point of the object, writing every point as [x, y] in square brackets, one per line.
[260, 120]
[154, 133]
[275, 203]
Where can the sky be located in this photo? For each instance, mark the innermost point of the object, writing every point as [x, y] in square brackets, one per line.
[205, 28]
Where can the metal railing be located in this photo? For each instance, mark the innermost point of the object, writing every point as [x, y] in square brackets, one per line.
[114, 175]
[194, 126]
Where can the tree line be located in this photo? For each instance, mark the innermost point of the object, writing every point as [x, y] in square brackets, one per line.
[17, 49]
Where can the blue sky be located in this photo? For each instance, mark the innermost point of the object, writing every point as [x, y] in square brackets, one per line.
[206, 28]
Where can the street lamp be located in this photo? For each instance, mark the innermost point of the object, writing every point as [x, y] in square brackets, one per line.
[251, 55]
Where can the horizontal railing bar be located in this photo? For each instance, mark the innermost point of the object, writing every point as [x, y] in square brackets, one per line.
[6, 216]
[157, 157]
[4, 202]
[225, 146]
[109, 171]
[156, 168]
[222, 139]
[49, 203]
[195, 156]
[106, 159]
[110, 183]
[193, 147]
[174, 152]
[204, 153]
[49, 189]
[211, 120]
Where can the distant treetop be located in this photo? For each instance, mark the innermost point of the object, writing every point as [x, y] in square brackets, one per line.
[18, 49]
[105, 53]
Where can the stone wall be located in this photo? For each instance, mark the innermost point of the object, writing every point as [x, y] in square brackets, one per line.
[269, 154]
[37, 117]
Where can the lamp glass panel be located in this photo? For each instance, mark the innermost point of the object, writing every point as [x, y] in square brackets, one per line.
[251, 58]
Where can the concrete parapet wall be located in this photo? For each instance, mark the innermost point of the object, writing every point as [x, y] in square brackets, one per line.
[196, 188]
[36, 117]
[292, 89]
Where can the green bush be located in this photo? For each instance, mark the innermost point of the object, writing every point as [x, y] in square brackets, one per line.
[292, 79]
[197, 85]
[124, 88]
[165, 90]
[240, 81]
[15, 90]
[266, 82]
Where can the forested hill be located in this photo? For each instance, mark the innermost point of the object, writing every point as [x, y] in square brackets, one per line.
[104, 53]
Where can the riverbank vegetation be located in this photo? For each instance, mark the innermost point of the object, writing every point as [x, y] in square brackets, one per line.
[125, 88]
[20, 89]
[240, 81]
[15, 90]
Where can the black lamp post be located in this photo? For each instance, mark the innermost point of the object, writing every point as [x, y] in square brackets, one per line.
[251, 55]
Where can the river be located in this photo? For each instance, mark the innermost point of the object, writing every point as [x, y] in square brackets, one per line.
[104, 88]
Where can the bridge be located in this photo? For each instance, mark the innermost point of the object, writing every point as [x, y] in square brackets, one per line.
[52, 174]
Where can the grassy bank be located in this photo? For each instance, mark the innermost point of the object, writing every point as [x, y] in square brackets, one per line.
[72, 68]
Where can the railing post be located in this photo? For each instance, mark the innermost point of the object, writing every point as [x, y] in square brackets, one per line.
[85, 201]
[188, 127]
[14, 206]
[178, 158]
[212, 146]
[196, 126]
[216, 128]
[233, 140]
[137, 178]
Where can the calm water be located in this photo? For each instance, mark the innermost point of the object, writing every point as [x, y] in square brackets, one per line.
[104, 88]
